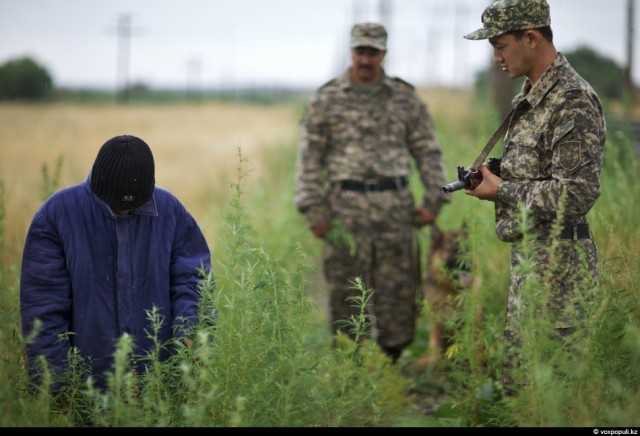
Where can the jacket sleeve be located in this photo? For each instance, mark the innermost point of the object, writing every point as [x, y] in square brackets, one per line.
[45, 297]
[425, 149]
[190, 259]
[311, 169]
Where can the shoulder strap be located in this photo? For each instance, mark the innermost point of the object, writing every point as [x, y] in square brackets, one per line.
[492, 141]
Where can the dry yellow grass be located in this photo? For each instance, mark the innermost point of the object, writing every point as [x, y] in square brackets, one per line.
[195, 149]
[450, 104]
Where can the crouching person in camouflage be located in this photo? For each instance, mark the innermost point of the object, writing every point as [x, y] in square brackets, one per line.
[358, 136]
[551, 166]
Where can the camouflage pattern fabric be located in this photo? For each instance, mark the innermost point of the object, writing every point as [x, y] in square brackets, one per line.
[383, 253]
[565, 275]
[350, 135]
[567, 270]
[555, 143]
[507, 15]
[369, 35]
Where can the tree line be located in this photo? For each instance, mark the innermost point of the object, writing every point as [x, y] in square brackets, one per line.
[25, 79]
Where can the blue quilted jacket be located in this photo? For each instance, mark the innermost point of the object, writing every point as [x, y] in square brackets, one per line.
[87, 272]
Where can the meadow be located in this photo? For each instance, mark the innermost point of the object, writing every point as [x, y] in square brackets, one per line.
[268, 361]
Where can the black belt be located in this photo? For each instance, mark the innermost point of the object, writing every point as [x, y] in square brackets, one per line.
[374, 185]
[581, 231]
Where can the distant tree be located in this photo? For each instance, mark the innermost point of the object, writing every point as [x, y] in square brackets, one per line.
[604, 74]
[24, 79]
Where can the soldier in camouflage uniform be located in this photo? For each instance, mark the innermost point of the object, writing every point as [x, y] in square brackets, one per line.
[358, 136]
[551, 166]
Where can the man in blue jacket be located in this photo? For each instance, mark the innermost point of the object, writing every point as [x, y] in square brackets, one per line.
[100, 256]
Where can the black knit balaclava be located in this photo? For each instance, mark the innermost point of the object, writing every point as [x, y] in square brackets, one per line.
[123, 175]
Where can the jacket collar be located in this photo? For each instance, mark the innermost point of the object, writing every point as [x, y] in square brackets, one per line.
[345, 82]
[149, 208]
[534, 94]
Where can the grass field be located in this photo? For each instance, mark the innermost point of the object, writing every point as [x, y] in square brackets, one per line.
[232, 165]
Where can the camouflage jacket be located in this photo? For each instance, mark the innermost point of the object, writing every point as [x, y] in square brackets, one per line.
[346, 135]
[555, 142]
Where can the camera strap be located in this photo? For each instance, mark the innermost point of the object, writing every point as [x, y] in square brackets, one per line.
[492, 141]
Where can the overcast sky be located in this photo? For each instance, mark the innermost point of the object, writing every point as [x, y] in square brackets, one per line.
[275, 42]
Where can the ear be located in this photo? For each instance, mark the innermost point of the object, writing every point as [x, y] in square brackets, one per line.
[532, 37]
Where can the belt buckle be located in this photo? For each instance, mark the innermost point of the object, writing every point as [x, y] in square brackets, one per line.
[574, 233]
[370, 185]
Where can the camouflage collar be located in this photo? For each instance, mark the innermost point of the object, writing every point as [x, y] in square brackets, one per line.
[345, 80]
[534, 94]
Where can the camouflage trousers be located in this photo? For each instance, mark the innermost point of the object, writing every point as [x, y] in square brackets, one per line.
[551, 289]
[373, 238]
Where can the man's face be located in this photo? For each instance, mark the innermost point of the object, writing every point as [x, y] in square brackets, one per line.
[366, 63]
[514, 55]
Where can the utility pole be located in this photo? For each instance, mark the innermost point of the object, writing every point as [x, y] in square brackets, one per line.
[628, 71]
[124, 52]
[124, 34]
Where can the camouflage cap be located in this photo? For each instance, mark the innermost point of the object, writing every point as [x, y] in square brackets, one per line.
[369, 35]
[506, 15]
